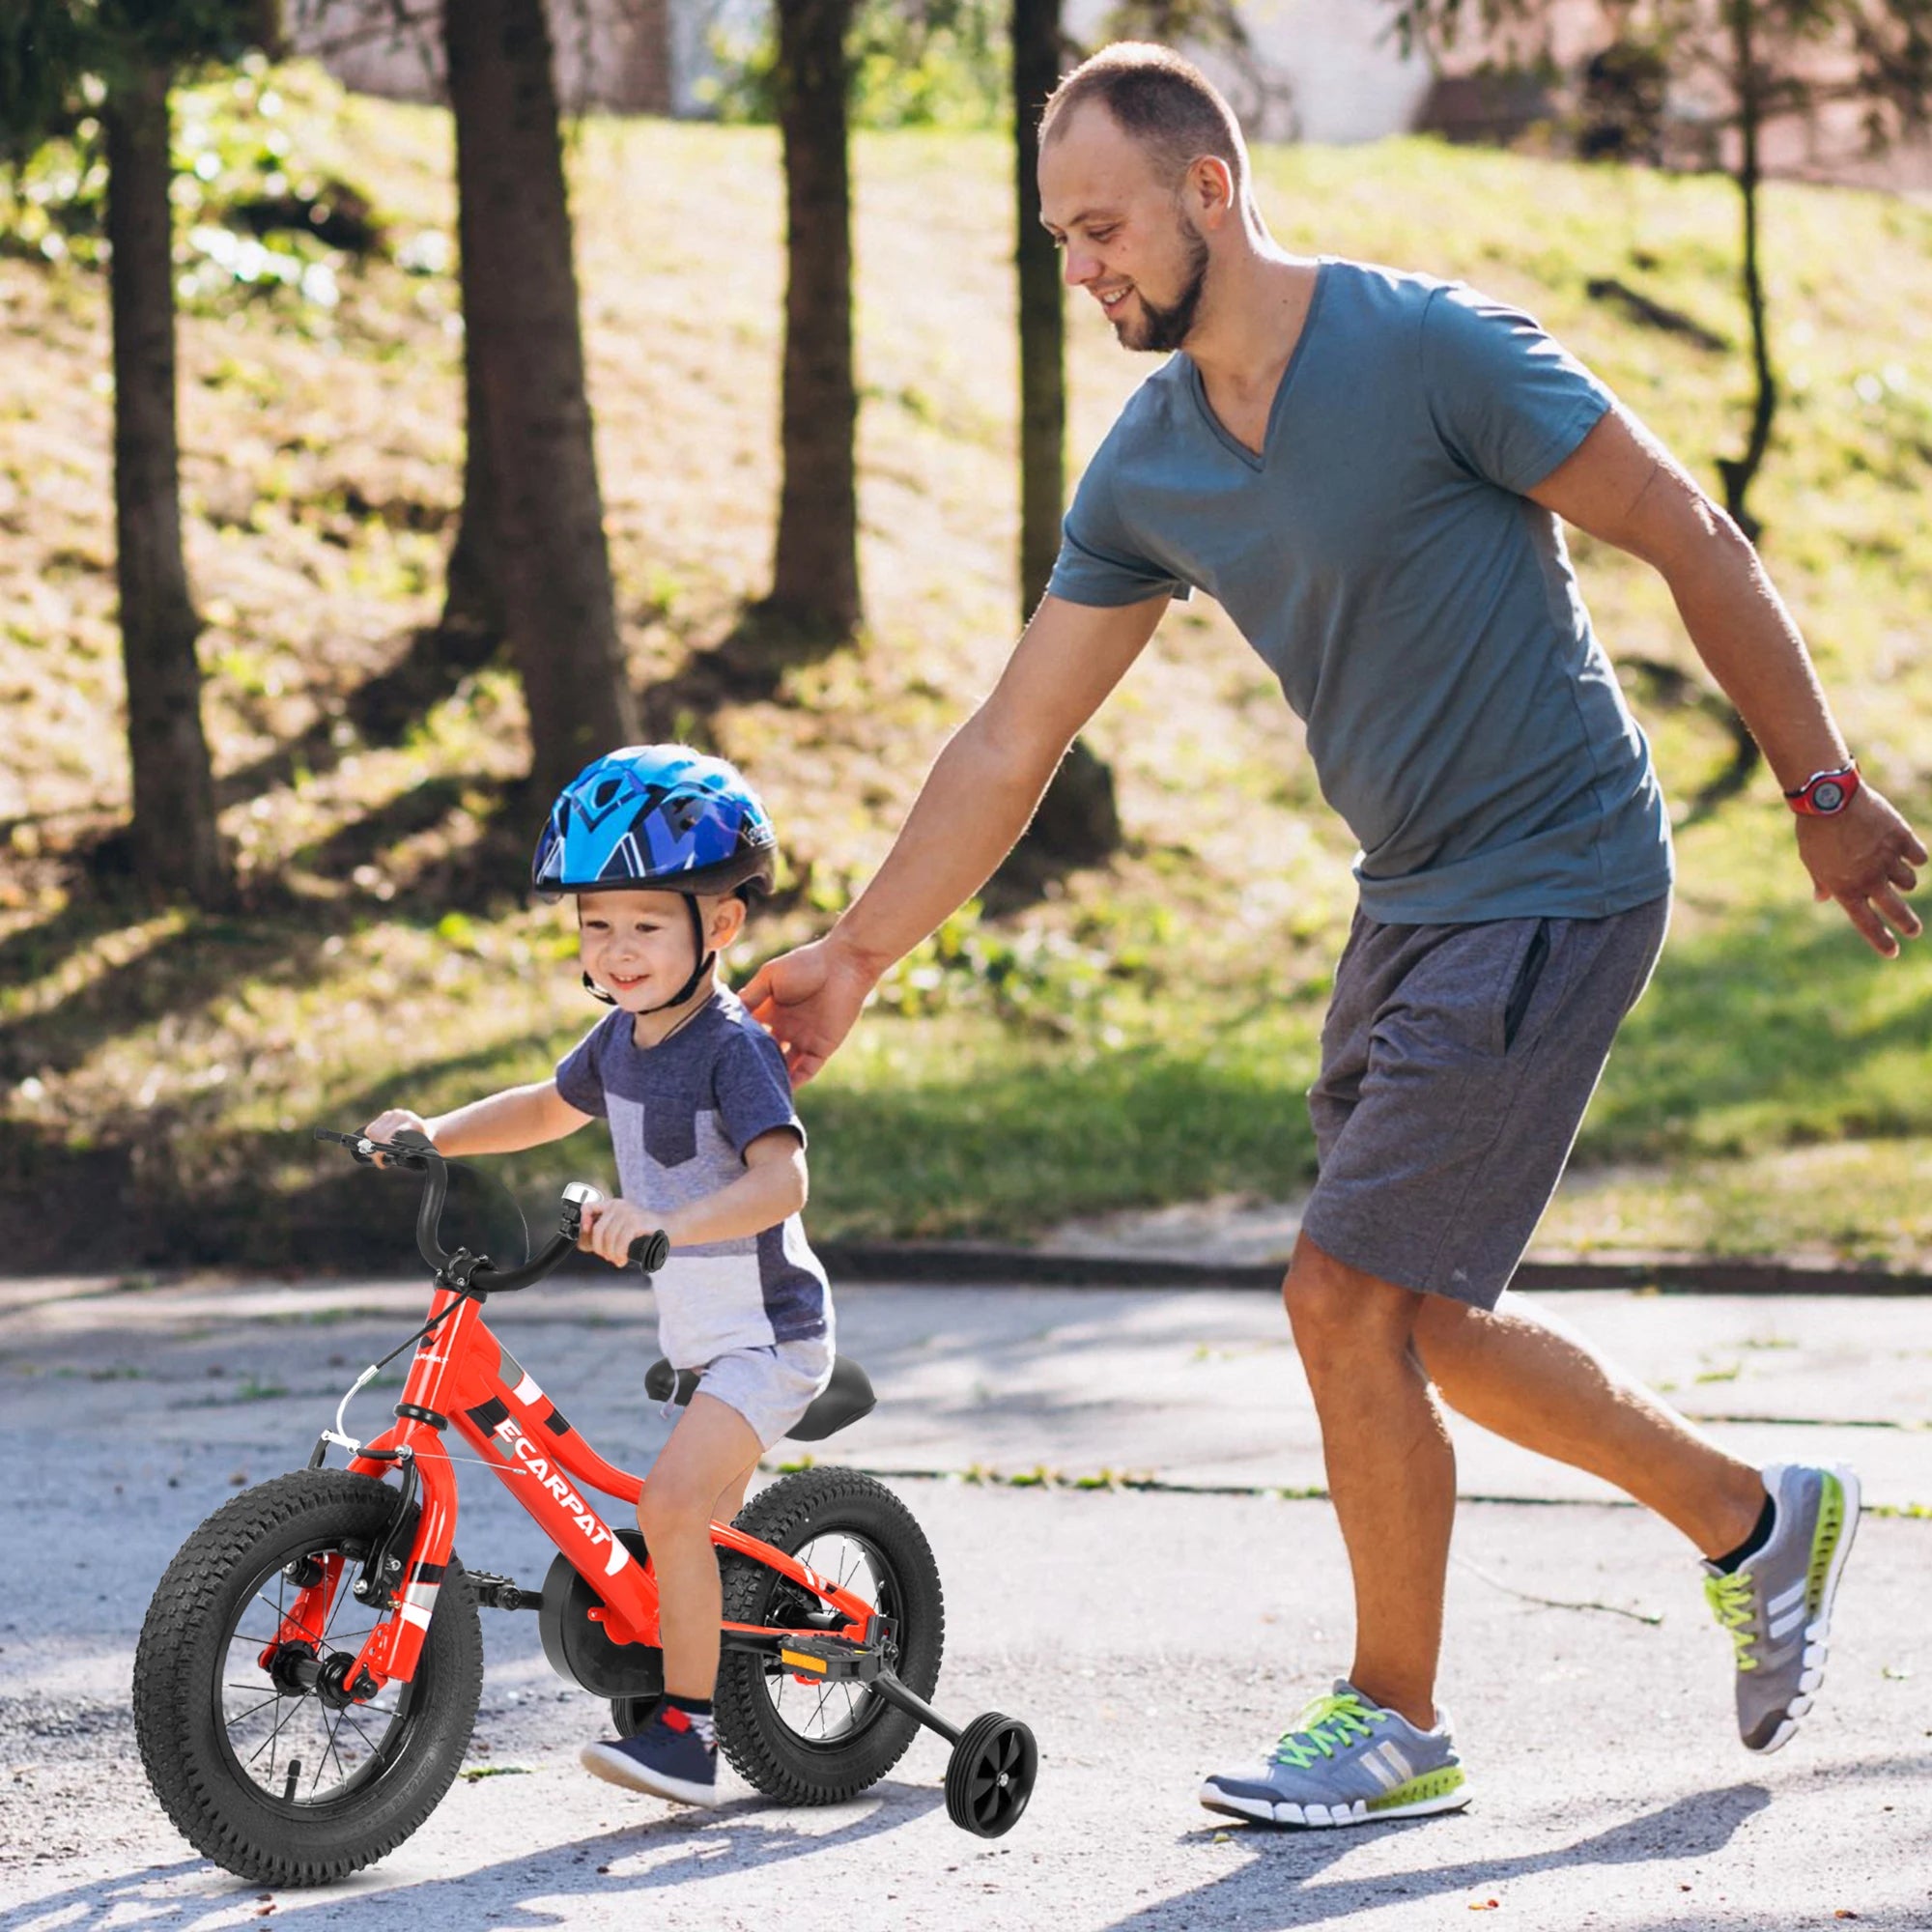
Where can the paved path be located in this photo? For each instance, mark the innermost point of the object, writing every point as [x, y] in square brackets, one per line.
[1145, 1634]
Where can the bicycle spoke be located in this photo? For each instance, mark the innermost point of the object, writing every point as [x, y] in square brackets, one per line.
[314, 1636]
[328, 1731]
[241, 1717]
[281, 1724]
[371, 1744]
[849, 1565]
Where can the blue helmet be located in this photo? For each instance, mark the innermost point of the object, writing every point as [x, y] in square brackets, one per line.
[656, 817]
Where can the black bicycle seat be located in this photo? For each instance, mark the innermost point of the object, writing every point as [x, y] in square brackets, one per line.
[844, 1398]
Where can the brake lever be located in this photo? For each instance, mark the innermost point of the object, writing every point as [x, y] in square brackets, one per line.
[407, 1155]
[360, 1150]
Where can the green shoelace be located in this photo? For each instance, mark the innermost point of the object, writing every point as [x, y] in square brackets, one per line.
[1730, 1602]
[1325, 1725]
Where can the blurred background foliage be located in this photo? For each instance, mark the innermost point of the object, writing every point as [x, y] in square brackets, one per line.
[1140, 1034]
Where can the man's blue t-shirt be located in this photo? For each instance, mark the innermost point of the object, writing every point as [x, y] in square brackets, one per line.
[682, 1113]
[1418, 610]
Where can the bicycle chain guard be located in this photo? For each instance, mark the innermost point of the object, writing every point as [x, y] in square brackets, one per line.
[577, 1646]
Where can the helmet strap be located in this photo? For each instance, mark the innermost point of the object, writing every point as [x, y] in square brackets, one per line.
[705, 961]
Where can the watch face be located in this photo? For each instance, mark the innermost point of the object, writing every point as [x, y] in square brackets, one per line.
[1829, 796]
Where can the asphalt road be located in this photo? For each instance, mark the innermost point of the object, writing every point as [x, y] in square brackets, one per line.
[1145, 1634]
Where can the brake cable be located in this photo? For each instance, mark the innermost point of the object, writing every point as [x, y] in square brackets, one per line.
[338, 1434]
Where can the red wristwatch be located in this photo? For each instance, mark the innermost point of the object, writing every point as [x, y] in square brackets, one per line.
[1825, 794]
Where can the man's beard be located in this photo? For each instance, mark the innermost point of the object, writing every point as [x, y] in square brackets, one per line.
[1165, 327]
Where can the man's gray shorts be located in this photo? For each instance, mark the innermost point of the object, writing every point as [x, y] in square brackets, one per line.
[1457, 1061]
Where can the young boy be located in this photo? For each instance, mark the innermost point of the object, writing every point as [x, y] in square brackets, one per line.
[661, 847]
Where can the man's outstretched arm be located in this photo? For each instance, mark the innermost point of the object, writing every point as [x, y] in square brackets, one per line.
[976, 801]
[1623, 487]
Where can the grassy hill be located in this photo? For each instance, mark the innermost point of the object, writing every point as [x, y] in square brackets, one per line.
[1143, 1037]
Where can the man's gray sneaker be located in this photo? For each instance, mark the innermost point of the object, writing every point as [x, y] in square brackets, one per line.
[1346, 1762]
[1776, 1605]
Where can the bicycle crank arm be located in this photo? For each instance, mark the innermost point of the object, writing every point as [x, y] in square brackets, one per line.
[501, 1593]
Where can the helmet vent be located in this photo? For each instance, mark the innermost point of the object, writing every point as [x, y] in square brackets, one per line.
[656, 815]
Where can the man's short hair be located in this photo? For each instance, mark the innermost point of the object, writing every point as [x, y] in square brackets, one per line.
[1160, 99]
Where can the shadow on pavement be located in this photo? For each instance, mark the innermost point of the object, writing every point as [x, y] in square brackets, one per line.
[1278, 1885]
[736, 1839]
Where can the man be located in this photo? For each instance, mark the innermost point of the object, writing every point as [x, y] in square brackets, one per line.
[1368, 470]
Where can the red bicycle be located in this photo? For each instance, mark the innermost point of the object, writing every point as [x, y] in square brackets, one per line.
[309, 1669]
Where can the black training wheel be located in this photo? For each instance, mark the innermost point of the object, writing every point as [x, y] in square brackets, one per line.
[989, 1775]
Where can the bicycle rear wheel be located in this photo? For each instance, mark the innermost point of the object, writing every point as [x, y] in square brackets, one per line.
[818, 1744]
[270, 1776]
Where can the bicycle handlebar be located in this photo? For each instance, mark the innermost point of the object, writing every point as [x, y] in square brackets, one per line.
[418, 1155]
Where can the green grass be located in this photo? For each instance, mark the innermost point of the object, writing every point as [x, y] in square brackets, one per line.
[1143, 1039]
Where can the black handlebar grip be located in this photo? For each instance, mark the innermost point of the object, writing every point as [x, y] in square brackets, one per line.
[652, 1251]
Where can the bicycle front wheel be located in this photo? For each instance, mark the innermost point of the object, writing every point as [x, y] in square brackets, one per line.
[263, 1765]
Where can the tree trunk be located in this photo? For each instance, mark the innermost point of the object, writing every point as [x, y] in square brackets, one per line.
[520, 313]
[816, 574]
[175, 845]
[472, 594]
[1737, 472]
[1042, 322]
[1078, 822]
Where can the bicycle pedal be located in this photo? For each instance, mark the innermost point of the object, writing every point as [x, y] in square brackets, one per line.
[829, 1659]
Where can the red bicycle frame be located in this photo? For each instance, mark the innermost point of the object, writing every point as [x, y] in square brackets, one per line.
[462, 1378]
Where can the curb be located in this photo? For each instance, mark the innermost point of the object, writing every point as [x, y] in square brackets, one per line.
[964, 1264]
[944, 1264]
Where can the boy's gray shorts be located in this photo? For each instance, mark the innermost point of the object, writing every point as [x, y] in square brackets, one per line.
[770, 1388]
[1457, 1061]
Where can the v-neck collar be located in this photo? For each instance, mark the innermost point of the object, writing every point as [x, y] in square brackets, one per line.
[1258, 459]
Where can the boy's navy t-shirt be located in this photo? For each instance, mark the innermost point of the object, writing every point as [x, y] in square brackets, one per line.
[681, 1115]
[1418, 610]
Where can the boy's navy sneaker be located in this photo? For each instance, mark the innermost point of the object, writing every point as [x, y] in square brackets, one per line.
[670, 1757]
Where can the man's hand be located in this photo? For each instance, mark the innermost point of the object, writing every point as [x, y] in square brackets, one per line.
[807, 1001]
[1866, 857]
[609, 1227]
